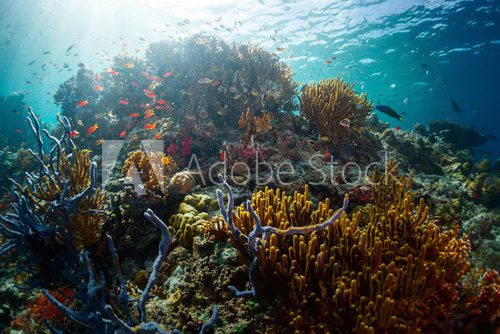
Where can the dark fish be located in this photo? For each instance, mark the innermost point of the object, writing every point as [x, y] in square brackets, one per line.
[31, 62]
[70, 47]
[455, 107]
[46, 53]
[424, 65]
[389, 111]
[15, 111]
[65, 65]
[404, 113]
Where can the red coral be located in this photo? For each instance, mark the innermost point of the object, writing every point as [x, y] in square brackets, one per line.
[43, 309]
[488, 302]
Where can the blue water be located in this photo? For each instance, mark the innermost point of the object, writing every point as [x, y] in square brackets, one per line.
[412, 55]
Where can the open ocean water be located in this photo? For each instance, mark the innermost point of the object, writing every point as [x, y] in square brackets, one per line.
[415, 56]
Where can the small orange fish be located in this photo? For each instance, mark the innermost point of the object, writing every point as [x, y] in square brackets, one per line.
[149, 113]
[162, 101]
[19, 131]
[83, 103]
[157, 136]
[134, 115]
[149, 126]
[99, 142]
[151, 95]
[167, 74]
[166, 160]
[74, 133]
[222, 155]
[111, 71]
[92, 129]
[98, 88]
[327, 154]
[124, 102]
[123, 133]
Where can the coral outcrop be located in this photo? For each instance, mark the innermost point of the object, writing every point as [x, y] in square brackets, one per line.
[153, 170]
[335, 110]
[58, 212]
[387, 268]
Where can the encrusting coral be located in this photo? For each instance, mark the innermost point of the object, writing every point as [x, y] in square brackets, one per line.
[388, 268]
[335, 110]
[191, 216]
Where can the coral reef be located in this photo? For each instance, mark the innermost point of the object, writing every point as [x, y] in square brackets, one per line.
[192, 215]
[392, 258]
[57, 213]
[101, 316]
[335, 110]
[459, 135]
[152, 168]
[388, 268]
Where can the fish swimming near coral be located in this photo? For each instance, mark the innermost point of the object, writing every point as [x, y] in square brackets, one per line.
[92, 129]
[204, 81]
[455, 107]
[83, 103]
[389, 111]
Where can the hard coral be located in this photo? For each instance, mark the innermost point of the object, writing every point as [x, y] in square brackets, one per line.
[190, 217]
[335, 110]
[182, 182]
[386, 269]
[154, 169]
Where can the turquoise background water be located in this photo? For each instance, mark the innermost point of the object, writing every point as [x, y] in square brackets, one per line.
[412, 55]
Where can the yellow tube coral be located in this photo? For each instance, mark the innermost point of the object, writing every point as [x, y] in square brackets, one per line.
[387, 268]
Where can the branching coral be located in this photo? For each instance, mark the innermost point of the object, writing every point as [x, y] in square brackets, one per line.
[59, 211]
[102, 312]
[335, 110]
[154, 169]
[386, 269]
